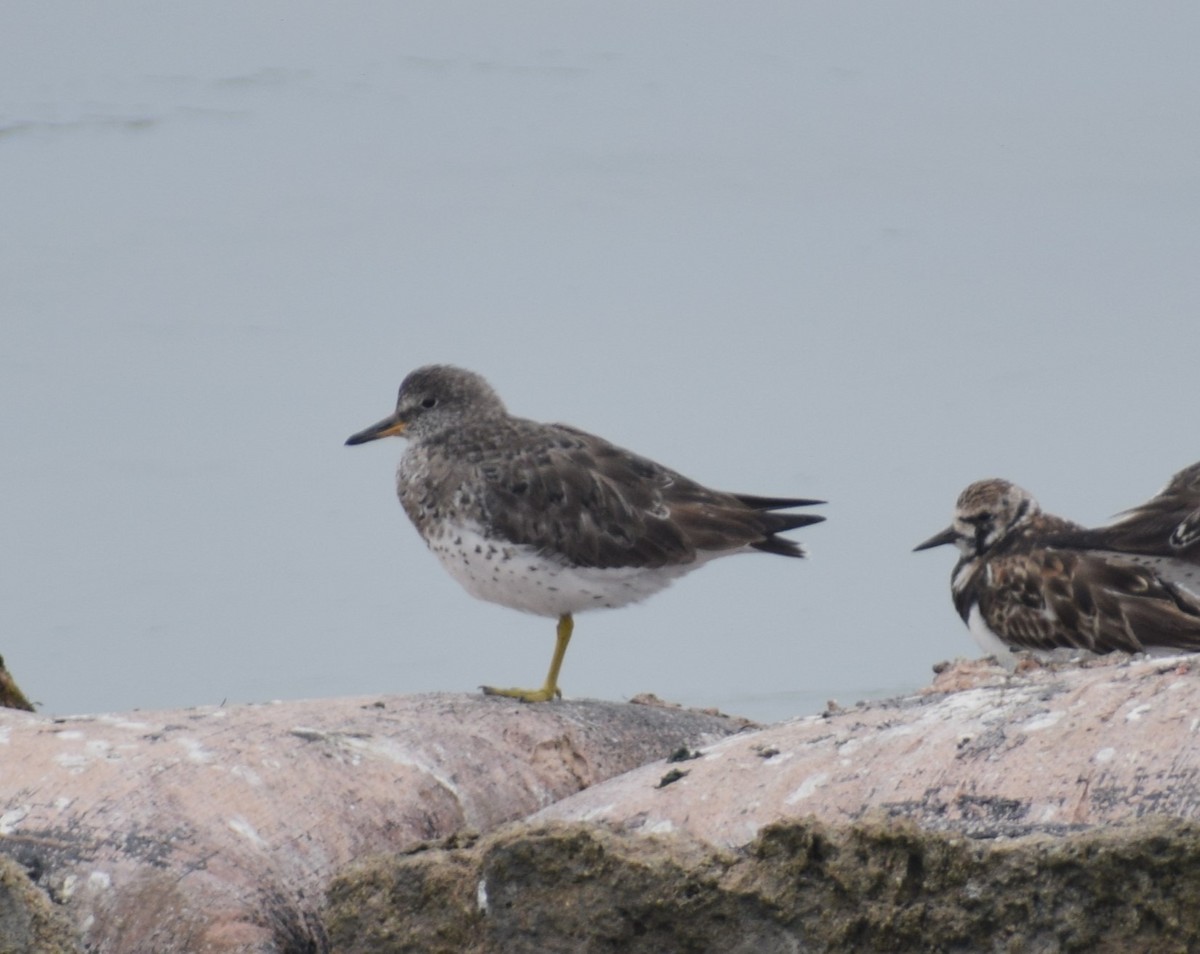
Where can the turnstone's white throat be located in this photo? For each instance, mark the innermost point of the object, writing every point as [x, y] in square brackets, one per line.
[1030, 580]
[551, 520]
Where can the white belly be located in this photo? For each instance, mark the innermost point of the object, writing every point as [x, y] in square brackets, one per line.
[519, 578]
[989, 642]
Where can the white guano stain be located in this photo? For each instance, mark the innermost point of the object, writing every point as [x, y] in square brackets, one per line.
[246, 830]
[964, 703]
[99, 748]
[11, 819]
[378, 747]
[807, 787]
[1104, 755]
[195, 751]
[247, 775]
[99, 881]
[600, 811]
[1137, 712]
[1043, 721]
[129, 725]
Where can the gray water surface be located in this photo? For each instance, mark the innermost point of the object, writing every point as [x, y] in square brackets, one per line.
[857, 251]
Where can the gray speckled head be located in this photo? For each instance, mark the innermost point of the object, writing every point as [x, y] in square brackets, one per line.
[440, 396]
[432, 400]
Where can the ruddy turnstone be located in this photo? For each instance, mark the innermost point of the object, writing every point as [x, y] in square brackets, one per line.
[1030, 580]
[551, 520]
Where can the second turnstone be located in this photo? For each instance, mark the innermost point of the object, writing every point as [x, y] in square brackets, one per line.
[1030, 580]
[551, 520]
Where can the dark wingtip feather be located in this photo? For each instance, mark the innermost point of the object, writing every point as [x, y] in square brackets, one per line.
[781, 546]
[776, 523]
[776, 503]
[793, 521]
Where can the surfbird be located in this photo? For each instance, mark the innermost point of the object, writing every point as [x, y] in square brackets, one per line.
[551, 520]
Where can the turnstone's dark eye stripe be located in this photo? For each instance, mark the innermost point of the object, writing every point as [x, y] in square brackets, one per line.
[1022, 510]
[1039, 582]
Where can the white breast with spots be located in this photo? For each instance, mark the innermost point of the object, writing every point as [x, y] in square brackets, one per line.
[520, 578]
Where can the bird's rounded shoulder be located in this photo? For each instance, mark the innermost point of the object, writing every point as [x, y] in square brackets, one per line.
[561, 451]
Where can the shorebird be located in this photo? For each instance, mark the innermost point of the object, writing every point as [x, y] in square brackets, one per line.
[1030, 580]
[551, 520]
[1163, 533]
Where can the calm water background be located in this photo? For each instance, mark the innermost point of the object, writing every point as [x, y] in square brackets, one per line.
[866, 252]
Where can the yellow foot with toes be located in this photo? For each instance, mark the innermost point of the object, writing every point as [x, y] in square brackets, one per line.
[549, 688]
[545, 694]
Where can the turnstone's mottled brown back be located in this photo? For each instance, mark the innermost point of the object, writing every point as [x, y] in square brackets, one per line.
[1032, 580]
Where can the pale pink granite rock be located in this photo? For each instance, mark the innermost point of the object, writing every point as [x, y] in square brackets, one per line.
[217, 829]
[1050, 749]
[1048, 809]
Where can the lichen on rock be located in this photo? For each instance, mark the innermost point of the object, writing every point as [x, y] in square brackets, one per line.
[881, 884]
[29, 922]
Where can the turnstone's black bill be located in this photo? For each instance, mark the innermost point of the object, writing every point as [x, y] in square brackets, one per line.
[1029, 580]
[551, 520]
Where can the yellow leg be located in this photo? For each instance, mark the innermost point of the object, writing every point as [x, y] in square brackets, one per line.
[550, 690]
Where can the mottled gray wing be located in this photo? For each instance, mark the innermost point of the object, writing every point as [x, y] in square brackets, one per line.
[1184, 483]
[1050, 598]
[1166, 525]
[577, 497]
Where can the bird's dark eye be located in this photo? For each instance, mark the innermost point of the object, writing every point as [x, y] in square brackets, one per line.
[429, 402]
[981, 518]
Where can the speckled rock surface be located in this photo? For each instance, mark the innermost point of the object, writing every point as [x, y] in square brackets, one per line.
[218, 829]
[980, 752]
[1048, 810]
